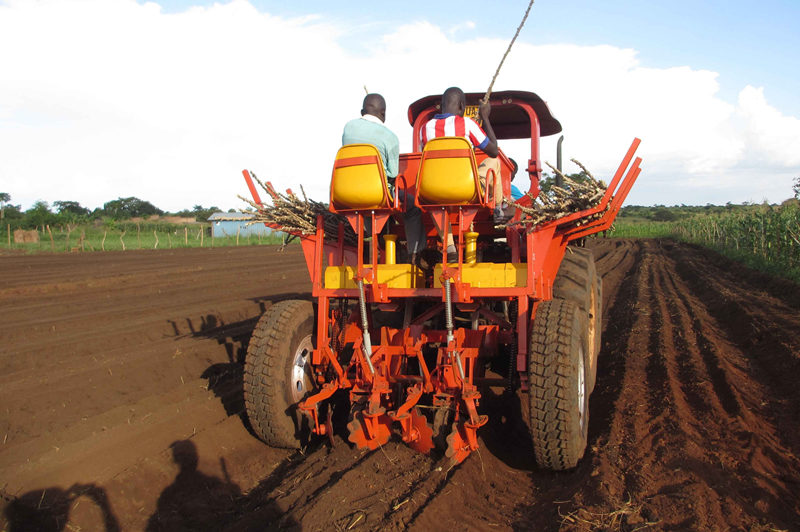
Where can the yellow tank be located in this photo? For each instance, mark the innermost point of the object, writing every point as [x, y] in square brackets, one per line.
[488, 275]
[393, 275]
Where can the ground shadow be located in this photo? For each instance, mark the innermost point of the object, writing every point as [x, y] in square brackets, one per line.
[196, 501]
[48, 510]
[506, 434]
[225, 379]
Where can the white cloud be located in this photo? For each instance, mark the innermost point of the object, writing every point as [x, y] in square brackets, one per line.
[463, 26]
[108, 98]
[774, 137]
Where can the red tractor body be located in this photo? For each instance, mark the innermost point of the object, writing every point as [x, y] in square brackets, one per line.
[412, 349]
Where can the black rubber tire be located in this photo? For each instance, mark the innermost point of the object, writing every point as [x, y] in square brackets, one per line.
[558, 429]
[268, 393]
[577, 281]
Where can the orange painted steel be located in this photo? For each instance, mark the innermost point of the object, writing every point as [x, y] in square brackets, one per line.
[414, 369]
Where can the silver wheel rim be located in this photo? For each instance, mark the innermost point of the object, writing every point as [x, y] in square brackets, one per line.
[301, 374]
[581, 388]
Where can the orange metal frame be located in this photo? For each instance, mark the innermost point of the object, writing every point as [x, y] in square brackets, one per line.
[372, 379]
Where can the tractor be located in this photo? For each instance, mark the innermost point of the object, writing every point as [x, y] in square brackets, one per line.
[388, 347]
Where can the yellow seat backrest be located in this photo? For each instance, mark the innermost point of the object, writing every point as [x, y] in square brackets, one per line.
[448, 173]
[358, 180]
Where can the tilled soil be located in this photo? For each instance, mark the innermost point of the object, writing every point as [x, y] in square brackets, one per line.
[121, 401]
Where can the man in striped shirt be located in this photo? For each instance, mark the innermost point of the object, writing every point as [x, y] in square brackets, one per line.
[452, 123]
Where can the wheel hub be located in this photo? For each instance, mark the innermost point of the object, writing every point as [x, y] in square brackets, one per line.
[301, 378]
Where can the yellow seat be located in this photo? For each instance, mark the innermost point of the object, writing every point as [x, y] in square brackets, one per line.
[448, 174]
[359, 180]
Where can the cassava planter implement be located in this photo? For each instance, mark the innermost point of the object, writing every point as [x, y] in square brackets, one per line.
[410, 349]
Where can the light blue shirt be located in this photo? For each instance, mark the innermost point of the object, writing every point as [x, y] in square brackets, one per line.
[370, 130]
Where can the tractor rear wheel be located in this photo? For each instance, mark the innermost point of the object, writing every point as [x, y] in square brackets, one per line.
[577, 281]
[559, 395]
[277, 372]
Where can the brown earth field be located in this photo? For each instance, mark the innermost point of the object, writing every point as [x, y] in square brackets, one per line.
[121, 406]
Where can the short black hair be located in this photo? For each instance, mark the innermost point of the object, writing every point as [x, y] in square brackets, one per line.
[452, 97]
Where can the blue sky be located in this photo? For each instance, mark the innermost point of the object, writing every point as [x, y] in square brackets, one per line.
[744, 41]
[169, 100]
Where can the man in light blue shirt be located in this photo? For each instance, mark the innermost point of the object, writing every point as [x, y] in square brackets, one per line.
[369, 129]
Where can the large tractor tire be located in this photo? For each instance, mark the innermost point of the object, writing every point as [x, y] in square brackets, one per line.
[277, 373]
[577, 281]
[559, 395]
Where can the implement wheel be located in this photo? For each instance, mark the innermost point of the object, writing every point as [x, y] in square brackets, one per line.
[577, 281]
[277, 374]
[559, 395]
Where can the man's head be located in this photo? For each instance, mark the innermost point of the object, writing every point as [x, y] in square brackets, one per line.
[374, 105]
[453, 101]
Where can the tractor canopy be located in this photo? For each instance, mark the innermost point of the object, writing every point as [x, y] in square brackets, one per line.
[511, 113]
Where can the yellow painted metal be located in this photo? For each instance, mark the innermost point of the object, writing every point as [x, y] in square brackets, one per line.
[448, 180]
[393, 275]
[471, 255]
[391, 248]
[488, 275]
[359, 186]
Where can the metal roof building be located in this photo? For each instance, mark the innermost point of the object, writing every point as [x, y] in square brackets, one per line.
[224, 224]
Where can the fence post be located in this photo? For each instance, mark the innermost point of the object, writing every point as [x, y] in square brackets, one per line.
[69, 232]
[8, 228]
[52, 242]
[186, 236]
[138, 235]
[155, 246]
[103, 242]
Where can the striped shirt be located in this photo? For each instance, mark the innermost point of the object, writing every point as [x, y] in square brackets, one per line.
[450, 125]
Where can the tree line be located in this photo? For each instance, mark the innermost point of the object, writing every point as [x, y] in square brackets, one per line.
[65, 212]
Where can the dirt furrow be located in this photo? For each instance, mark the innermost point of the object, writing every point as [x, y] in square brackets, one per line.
[122, 404]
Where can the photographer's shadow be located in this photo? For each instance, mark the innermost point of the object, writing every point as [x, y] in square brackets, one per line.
[194, 501]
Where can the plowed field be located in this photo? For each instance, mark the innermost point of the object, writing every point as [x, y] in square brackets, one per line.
[121, 406]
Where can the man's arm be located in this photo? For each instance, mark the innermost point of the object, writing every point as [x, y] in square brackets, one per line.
[484, 110]
[392, 157]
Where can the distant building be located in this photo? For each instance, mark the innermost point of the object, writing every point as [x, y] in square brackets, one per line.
[232, 223]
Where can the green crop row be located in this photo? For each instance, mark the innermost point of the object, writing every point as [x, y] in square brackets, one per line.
[765, 237]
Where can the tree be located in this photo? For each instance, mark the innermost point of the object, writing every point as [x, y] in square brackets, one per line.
[796, 188]
[70, 207]
[39, 214]
[122, 208]
[201, 213]
[663, 214]
[5, 197]
[549, 180]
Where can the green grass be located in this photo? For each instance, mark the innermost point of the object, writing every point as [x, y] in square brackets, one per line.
[128, 237]
[633, 228]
